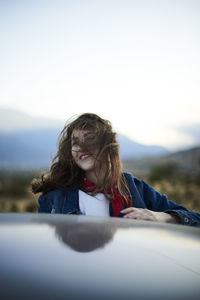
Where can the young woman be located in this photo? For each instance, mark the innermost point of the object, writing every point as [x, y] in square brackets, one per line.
[86, 178]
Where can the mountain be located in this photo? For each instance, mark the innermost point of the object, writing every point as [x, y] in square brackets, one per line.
[187, 160]
[130, 149]
[35, 146]
[28, 149]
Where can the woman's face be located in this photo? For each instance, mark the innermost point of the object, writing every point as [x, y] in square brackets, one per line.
[85, 159]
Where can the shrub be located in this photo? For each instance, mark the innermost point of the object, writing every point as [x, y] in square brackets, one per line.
[14, 184]
[14, 207]
[166, 171]
[31, 207]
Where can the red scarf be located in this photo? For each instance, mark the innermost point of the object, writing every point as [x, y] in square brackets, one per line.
[118, 200]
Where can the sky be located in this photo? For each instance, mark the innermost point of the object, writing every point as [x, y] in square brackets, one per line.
[135, 63]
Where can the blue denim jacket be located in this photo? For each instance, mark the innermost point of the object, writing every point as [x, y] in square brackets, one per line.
[66, 201]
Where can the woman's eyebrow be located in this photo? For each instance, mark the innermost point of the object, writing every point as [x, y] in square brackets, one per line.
[85, 136]
[89, 134]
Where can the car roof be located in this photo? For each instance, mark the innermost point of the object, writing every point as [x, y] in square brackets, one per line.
[83, 257]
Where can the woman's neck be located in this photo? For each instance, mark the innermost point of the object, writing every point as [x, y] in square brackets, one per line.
[91, 176]
[97, 175]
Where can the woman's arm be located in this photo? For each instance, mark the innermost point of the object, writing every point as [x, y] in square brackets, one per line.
[157, 204]
[149, 215]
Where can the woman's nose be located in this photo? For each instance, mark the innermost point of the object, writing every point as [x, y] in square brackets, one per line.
[76, 148]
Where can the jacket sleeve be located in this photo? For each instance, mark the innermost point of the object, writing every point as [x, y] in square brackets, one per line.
[44, 205]
[158, 202]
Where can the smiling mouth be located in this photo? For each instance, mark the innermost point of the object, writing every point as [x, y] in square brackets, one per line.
[84, 156]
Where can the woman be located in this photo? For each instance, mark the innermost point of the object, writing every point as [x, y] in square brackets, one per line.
[86, 178]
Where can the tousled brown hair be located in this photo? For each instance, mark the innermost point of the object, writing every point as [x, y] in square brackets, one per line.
[64, 171]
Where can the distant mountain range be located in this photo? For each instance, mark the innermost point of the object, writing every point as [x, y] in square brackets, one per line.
[187, 160]
[30, 143]
[36, 148]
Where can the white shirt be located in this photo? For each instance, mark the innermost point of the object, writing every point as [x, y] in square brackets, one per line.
[96, 205]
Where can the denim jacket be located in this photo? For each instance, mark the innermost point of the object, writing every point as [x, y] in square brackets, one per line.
[66, 201]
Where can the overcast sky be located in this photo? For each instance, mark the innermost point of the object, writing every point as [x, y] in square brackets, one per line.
[135, 63]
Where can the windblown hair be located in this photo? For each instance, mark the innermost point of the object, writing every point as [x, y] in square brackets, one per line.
[64, 171]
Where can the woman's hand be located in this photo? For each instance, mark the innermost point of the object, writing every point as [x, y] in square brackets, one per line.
[148, 215]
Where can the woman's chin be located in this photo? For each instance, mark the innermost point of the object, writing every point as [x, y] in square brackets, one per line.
[86, 167]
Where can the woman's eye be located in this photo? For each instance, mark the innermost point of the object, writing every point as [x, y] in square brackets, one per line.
[90, 136]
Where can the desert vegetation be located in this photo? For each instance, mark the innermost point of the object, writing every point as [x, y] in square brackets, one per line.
[179, 185]
[15, 192]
